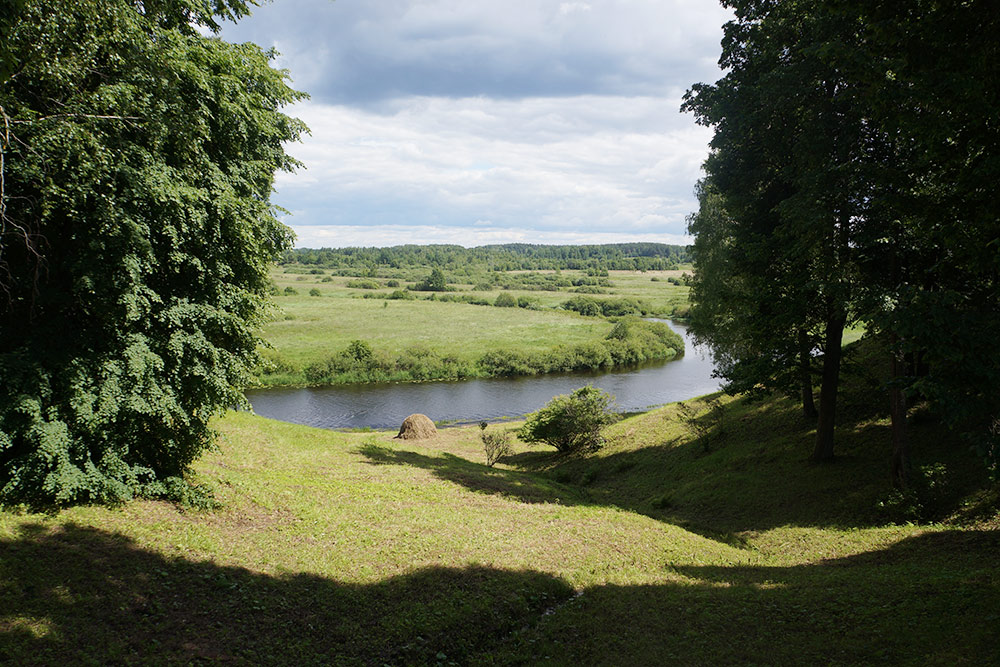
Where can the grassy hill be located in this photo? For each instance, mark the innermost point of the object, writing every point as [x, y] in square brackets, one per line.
[664, 547]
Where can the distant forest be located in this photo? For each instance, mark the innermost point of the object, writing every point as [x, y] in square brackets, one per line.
[507, 257]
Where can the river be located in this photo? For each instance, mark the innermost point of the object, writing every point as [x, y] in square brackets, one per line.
[490, 399]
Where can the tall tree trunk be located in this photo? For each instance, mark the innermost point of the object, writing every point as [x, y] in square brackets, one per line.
[805, 375]
[828, 387]
[897, 411]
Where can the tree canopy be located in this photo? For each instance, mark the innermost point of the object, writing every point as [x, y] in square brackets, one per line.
[136, 231]
[848, 182]
[506, 257]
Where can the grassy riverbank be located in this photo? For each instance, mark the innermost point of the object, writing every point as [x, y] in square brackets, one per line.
[354, 548]
[429, 335]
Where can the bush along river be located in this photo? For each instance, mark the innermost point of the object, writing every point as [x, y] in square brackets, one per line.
[490, 399]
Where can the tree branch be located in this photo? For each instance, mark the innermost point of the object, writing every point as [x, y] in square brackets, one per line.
[71, 115]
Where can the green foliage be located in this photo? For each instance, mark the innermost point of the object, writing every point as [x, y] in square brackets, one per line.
[505, 300]
[496, 444]
[465, 298]
[595, 259]
[705, 426]
[852, 178]
[925, 498]
[528, 302]
[315, 292]
[290, 291]
[615, 307]
[359, 363]
[584, 305]
[136, 234]
[366, 283]
[632, 341]
[571, 423]
[435, 282]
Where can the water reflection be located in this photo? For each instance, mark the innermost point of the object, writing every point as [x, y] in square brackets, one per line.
[387, 405]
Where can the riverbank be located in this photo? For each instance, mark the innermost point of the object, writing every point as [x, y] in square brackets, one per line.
[672, 543]
[491, 399]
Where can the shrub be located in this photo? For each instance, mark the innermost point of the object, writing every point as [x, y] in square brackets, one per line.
[527, 302]
[392, 283]
[706, 426]
[435, 282]
[583, 305]
[496, 444]
[363, 283]
[571, 423]
[510, 362]
[291, 291]
[621, 306]
[505, 300]
[359, 350]
[315, 292]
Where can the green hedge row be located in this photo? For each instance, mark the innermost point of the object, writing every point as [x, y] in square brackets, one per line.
[632, 341]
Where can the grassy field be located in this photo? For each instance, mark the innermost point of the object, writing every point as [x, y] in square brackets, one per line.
[663, 547]
[308, 329]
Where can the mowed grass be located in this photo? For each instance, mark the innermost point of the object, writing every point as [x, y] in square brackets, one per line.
[355, 548]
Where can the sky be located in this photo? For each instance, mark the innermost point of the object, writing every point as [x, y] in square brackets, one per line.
[472, 122]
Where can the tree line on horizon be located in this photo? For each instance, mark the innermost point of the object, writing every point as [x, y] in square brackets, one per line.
[500, 257]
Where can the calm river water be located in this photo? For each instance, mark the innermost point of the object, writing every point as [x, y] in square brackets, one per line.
[387, 405]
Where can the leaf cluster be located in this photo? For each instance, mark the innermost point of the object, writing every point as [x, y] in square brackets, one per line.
[135, 240]
[571, 423]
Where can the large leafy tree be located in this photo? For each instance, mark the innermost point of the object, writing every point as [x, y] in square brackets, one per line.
[931, 88]
[787, 175]
[853, 176]
[748, 316]
[136, 230]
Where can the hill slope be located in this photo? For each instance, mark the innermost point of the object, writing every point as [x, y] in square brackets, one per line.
[353, 548]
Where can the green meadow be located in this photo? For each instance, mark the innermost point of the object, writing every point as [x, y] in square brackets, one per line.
[324, 315]
[695, 536]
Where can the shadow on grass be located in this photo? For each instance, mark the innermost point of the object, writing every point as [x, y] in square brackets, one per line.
[525, 487]
[718, 485]
[83, 596]
[930, 599]
[749, 471]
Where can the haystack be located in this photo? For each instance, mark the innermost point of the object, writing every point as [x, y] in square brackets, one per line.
[417, 427]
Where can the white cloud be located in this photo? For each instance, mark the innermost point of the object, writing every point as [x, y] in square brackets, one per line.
[592, 165]
[475, 122]
[390, 235]
[354, 52]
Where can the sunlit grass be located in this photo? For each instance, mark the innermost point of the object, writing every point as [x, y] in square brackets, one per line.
[335, 547]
